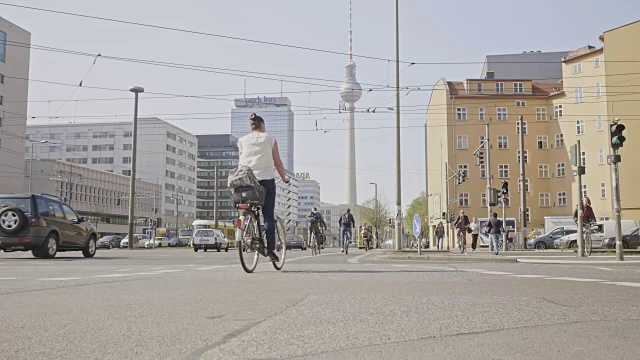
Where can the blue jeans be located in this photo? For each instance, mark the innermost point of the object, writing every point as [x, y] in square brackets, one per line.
[344, 231]
[496, 241]
[268, 212]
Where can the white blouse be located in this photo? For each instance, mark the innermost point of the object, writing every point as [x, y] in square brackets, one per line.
[256, 152]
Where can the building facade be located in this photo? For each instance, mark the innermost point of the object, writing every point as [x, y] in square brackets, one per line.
[287, 202]
[100, 196]
[215, 152]
[278, 117]
[331, 214]
[532, 65]
[308, 198]
[14, 91]
[166, 156]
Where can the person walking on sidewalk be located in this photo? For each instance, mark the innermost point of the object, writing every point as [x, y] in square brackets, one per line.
[475, 231]
[495, 229]
[439, 235]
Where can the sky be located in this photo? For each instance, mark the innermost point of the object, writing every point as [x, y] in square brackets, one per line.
[430, 31]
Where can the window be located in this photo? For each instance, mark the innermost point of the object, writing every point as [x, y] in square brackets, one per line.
[481, 114]
[108, 147]
[503, 171]
[557, 112]
[102, 160]
[463, 142]
[545, 200]
[481, 139]
[579, 95]
[464, 168]
[81, 161]
[600, 123]
[104, 135]
[171, 148]
[583, 158]
[601, 156]
[524, 126]
[483, 199]
[500, 87]
[1, 79]
[526, 185]
[170, 174]
[541, 113]
[580, 127]
[543, 142]
[559, 141]
[463, 199]
[584, 191]
[598, 89]
[483, 171]
[461, 113]
[503, 142]
[603, 190]
[126, 160]
[127, 134]
[521, 104]
[3, 45]
[127, 146]
[596, 62]
[543, 171]
[171, 161]
[518, 88]
[72, 148]
[502, 113]
[526, 156]
[577, 68]
[560, 170]
[479, 88]
[126, 172]
[171, 136]
[68, 213]
[562, 199]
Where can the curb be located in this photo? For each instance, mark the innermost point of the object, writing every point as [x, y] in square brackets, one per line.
[460, 258]
[577, 262]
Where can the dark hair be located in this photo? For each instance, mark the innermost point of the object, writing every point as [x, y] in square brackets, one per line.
[315, 208]
[495, 215]
[256, 121]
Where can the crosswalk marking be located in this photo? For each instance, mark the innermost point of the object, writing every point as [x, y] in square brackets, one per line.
[574, 279]
[58, 279]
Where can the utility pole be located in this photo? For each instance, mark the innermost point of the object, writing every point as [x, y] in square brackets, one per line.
[576, 159]
[617, 141]
[487, 144]
[523, 187]
[132, 181]
[398, 229]
[446, 218]
[426, 189]
[215, 198]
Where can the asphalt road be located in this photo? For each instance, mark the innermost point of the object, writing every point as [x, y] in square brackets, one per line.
[177, 304]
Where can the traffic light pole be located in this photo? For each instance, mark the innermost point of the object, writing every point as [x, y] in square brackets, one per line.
[616, 206]
[446, 220]
[488, 173]
[523, 187]
[580, 203]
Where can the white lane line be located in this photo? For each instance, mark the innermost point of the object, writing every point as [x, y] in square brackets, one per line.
[603, 268]
[58, 279]
[529, 276]
[356, 259]
[145, 273]
[309, 256]
[495, 273]
[474, 270]
[213, 267]
[8, 278]
[623, 284]
[167, 271]
[191, 265]
[574, 279]
[120, 270]
[112, 275]
[158, 268]
[402, 266]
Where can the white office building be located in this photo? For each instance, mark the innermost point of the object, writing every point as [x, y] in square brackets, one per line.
[331, 214]
[14, 91]
[308, 198]
[277, 114]
[166, 156]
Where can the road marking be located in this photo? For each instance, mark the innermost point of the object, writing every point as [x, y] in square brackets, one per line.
[8, 278]
[191, 265]
[58, 279]
[495, 273]
[158, 268]
[356, 259]
[529, 276]
[213, 267]
[603, 268]
[167, 271]
[310, 256]
[623, 284]
[474, 270]
[574, 279]
[112, 275]
[145, 273]
[124, 270]
[404, 266]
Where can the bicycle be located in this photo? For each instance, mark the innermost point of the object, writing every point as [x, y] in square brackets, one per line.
[366, 243]
[315, 248]
[251, 245]
[347, 239]
[587, 239]
[462, 241]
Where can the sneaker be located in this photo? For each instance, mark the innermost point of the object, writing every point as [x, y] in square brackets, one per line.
[273, 256]
[342, 250]
[496, 252]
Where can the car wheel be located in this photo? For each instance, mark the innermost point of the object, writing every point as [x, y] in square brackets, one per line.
[110, 246]
[226, 249]
[625, 245]
[12, 221]
[541, 246]
[195, 249]
[218, 248]
[574, 245]
[49, 248]
[160, 245]
[90, 249]
[204, 249]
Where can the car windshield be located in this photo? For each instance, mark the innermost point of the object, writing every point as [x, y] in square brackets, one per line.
[159, 238]
[23, 204]
[107, 238]
[292, 238]
[185, 233]
[204, 233]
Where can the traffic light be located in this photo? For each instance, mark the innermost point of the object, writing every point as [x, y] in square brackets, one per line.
[505, 188]
[444, 215]
[617, 139]
[481, 157]
[494, 197]
[573, 155]
[460, 178]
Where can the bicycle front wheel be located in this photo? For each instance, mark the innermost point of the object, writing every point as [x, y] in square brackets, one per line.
[313, 244]
[587, 245]
[248, 251]
[281, 245]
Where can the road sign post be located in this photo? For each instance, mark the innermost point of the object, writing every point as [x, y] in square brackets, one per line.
[417, 229]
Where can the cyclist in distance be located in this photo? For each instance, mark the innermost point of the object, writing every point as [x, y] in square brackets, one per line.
[461, 224]
[259, 151]
[588, 216]
[346, 222]
[316, 222]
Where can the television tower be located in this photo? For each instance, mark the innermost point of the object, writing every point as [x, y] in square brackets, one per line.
[350, 93]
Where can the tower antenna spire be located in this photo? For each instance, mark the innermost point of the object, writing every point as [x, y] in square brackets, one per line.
[350, 34]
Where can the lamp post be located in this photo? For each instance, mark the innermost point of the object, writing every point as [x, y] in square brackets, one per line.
[398, 232]
[177, 199]
[31, 162]
[377, 211]
[71, 178]
[132, 181]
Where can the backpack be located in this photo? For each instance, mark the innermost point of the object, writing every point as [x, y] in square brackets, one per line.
[313, 218]
[346, 220]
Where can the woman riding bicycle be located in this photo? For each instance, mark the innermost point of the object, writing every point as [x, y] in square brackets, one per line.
[588, 216]
[259, 151]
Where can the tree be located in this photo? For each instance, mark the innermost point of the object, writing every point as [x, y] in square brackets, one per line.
[376, 217]
[420, 206]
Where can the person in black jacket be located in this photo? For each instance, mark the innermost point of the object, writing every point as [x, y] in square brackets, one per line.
[495, 229]
[461, 224]
[588, 216]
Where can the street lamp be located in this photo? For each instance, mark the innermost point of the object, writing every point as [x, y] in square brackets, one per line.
[71, 178]
[377, 211]
[398, 234]
[31, 162]
[132, 181]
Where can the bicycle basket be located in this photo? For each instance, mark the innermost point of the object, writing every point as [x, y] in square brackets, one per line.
[249, 195]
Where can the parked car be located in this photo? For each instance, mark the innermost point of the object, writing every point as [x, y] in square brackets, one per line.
[44, 225]
[138, 239]
[296, 242]
[175, 242]
[159, 242]
[547, 241]
[601, 231]
[109, 242]
[630, 240]
[206, 239]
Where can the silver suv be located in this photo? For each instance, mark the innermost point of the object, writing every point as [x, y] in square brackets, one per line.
[44, 225]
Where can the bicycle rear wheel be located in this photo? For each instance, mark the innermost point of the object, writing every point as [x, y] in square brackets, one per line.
[281, 245]
[247, 250]
[346, 245]
[461, 244]
[313, 245]
[587, 244]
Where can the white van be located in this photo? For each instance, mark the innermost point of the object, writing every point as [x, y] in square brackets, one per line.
[138, 241]
[602, 230]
